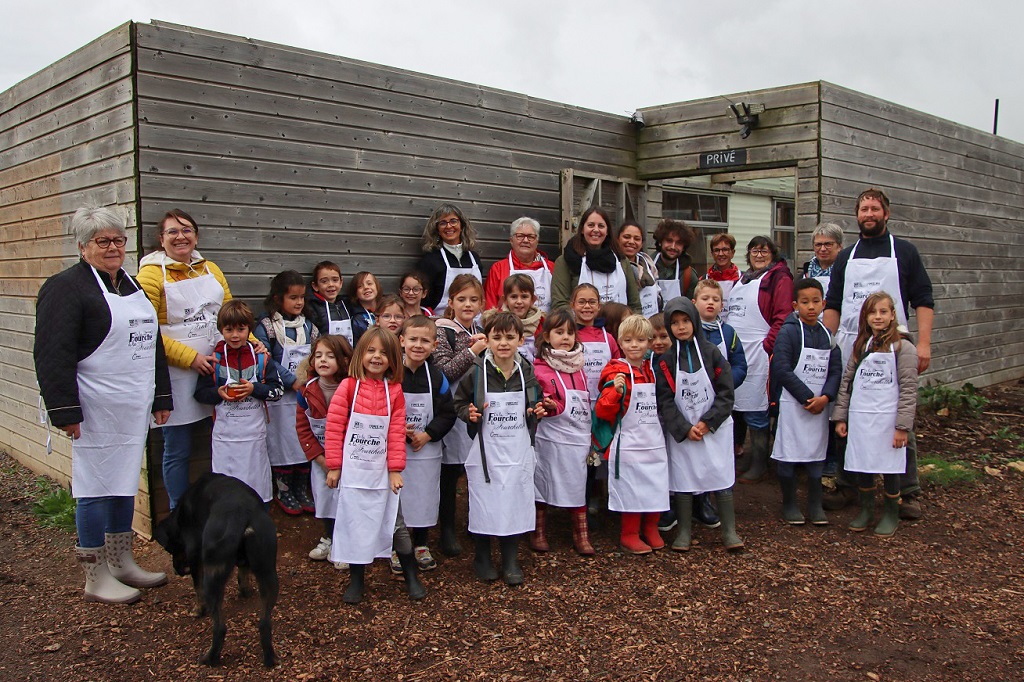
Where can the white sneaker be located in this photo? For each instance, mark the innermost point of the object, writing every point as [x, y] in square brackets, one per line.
[341, 565]
[322, 550]
[424, 559]
[396, 565]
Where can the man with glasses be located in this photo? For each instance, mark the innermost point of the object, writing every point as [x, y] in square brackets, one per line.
[880, 262]
[524, 258]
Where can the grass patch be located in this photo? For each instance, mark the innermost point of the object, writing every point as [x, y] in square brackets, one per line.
[54, 506]
[945, 473]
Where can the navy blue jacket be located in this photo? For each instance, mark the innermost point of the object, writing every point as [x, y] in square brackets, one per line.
[787, 353]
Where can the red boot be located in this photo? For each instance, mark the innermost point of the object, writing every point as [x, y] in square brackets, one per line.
[580, 532]
[538, 542]
[630, 536]
[651, 533]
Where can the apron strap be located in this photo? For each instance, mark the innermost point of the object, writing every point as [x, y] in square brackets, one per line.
[481, 380]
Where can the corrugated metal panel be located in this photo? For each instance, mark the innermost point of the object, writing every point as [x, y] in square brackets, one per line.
[749, 216]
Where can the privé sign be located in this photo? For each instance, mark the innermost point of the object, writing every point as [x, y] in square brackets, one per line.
[723, 158]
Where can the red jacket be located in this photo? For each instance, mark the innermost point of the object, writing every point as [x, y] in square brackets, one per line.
[592, 333]
[494, 289]
[370, 400]
[775, 300]
[547, 377]
[611, 404]
[313, 397]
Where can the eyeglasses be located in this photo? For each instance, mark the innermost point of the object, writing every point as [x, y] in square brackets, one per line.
[105, 242]
[389, 317]
[824, 245]
[412, 290]
[525, 237]
[760, 252]
[723, 250]
[454, 222]
[183, 232]
[587, 302]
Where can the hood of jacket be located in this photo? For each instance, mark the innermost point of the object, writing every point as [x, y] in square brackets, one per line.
[681, 304]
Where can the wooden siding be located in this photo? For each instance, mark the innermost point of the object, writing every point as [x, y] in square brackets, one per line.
[66, 140]
[958, 194]
[675, 135]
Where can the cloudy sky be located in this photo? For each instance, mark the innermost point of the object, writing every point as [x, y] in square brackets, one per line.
[945, 57]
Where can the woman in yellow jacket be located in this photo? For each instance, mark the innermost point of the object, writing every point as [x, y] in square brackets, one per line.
[187, 292]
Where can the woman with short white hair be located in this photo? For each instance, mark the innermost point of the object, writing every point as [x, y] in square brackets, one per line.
[524, 258]
[827, 242]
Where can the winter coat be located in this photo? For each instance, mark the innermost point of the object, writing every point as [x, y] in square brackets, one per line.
[906, 372]
[686, 272]
[310, 397]
[444, 408]
[316, 308]
[593, 334]
[452, 355]
[264, 332]
[229, 364]
[736, 356]
[494, 290]
[72, 321]
[362, 319]
[775, 299]
[612, 405]
[715, 364]
[564, 280]
[371, 399]
[151, 277]
[433, 266]
[787, 354]
[470, 390]
[547, 378]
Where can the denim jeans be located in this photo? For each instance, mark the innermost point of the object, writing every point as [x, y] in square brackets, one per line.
[177, 449]
[754, 420]
[95, 516]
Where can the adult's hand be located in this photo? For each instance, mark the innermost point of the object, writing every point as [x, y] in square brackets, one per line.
[161, 417]
[924, 356]
[203, 364]
[73, 430]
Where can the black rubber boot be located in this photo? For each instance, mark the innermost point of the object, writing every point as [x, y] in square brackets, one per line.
[510, 560]
[410, 569]
[815, 493]
[446, 509]
[683, 503]
[354, 593]
[758, 457]
[704, 512]
[790, 509]
[482, 566]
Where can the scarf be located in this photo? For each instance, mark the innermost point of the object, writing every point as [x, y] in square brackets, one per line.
[645, 270]
[601, 260]
[533, 318]
[815, 270]
[280, 324]
[454, 249]
[730, 274]
[565, 361]
[750, 275]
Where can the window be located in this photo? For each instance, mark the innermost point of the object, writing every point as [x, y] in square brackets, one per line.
[707, 214]
[784, 230]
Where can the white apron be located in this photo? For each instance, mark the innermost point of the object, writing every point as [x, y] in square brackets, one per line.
[670, 288]
[529, 349]
[503, 505]
[702, 465]
[638, 462]
[722, 346]
[456, 442]
[367, 509]
[596, 354]
[865, 276]
[421, 493]
[450, 275]
[649, 296]
[800, 435]
[541, 282]
[116, 389]
[282, 441]
[610, 287]
[563, 443]
[825, 281]
[746, 318]
[342, 327]
[239, 440]
[192, 307]
[874, 396]
[325, 499]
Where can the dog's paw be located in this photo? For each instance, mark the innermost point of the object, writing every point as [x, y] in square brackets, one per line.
[197, 611]
[210, 659]
[269, 661]
[244, 591]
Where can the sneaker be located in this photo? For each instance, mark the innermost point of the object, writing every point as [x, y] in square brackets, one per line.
[341, 565]
[322, 550]
[396, 565]
[667, 521]
[424, 559]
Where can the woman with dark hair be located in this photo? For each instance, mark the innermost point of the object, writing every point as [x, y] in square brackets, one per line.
[758, 305]
[593, 256]
[631, 243]
[449, 243]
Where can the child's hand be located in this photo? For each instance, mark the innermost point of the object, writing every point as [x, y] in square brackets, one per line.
[418, 440]
[816, 405]
[538, 410]
[222, 391]
[549, 404]
[297, 384]
[333, 476]
[620, 383]
[410, 429]
[479, 343]
[841, 429]
[474, 414]
[320, 461]
[695, 433]
[395, 481]
[899, 439]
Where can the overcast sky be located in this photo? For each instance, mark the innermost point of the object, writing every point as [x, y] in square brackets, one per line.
[945, 57]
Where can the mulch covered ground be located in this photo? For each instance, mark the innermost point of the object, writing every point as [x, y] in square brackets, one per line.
[943, 599]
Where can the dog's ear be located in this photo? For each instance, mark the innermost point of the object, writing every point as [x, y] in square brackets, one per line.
[167, 533]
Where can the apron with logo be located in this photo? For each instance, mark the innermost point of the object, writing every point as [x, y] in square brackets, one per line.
[421, 493]
[865, 276]
[239, 439]
[450, 275]
[116, 389]
[596, 354]
[874, 397]
[457, 441]
[192, 307]
[367, 509]
[541, 282]
[342, 327]
[282, 441]
[499, 474]
[748, 322]
[650, 295]
[325, 499]
[638, 462]
[563, 443]
[709, 464]
[610, 286]
[800, 435]
[670, 288]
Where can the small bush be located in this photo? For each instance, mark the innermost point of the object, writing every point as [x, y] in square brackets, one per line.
[54, 506]
[946, 472]
[945, 401]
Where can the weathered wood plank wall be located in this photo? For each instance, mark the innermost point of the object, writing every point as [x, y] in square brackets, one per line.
[66, 140]
[958, 194]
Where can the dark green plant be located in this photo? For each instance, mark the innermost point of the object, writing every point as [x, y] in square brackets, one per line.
[54, 506]
[1005, 433]
[946, 401]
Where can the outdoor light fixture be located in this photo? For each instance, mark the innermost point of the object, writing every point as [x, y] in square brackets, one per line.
[637, 119]
[746, 115]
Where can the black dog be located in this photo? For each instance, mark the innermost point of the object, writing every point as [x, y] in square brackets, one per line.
[221, 523]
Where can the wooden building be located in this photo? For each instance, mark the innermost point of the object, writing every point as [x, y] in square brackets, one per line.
[287, 156]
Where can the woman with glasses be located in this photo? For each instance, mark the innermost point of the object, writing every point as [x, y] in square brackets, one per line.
[187, 291]
[102, 373]
[523, 258]
[723, 270]
[449, 241]
[827, 241]
[758, 305]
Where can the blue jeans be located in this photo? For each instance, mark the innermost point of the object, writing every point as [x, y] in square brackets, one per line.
[754, 420]
[177, 449]
[96, 516]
